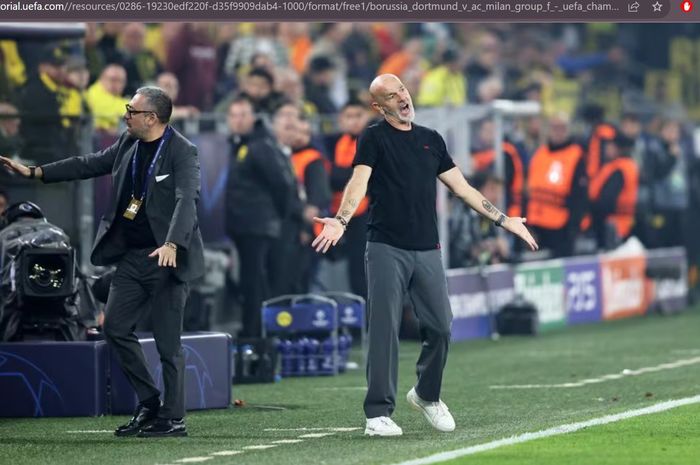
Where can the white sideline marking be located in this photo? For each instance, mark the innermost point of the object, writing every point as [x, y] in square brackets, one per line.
[288, 441]
[327, 428]
[194, 459]
[664, 366]
[260, 447]
[315, 435]
[554, 431]
[226, 453]
[89, 431]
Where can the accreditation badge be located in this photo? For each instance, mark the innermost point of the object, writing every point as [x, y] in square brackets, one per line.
[132, 209]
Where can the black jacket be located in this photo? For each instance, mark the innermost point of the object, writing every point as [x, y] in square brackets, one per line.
[170, 202]
[260, 187]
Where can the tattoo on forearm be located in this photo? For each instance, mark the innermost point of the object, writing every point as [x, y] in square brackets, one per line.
[346, 213]
[488, 206]
[352, 202]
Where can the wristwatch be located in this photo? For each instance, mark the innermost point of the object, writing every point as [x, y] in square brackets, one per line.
[32, 172]
[343, 222]
[500, 220]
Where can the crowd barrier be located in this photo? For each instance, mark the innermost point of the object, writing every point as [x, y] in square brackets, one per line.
[569, 291]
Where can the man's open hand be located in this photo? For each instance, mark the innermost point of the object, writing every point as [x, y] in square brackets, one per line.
[330, 235]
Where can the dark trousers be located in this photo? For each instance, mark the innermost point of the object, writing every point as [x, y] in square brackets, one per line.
[138, 282]
[253, 252]
[391, 273]
[283, 257]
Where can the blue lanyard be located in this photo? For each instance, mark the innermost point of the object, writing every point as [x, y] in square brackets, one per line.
[166, 135]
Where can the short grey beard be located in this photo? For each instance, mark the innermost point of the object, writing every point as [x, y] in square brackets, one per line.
[398, 116]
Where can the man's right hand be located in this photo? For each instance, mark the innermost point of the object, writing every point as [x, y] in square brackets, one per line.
[16, 167]
[330, 235]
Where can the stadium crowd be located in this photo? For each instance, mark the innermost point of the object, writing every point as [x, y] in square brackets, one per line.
[611, 155]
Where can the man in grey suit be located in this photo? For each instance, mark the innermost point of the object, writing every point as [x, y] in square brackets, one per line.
[152, 234]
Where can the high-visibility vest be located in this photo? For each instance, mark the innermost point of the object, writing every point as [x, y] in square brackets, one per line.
[343, 157]
[484, 160]
[302, 159]
[594, 160]
[623, 215]
[549, 184]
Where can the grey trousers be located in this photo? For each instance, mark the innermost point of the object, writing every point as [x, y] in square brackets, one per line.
[137, 281]
[391, 273]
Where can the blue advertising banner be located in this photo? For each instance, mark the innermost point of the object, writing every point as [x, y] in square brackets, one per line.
[475, 297]
[584, 295]
[53, 379]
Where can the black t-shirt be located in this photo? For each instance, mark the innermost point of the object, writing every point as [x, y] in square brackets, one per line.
[137, 232]
[402, 188]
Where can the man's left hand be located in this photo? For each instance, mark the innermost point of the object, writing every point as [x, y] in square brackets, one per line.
[166, 256]
[516, 225]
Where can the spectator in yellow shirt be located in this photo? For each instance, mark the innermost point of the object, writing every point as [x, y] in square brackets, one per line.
[105, 99]
[444, 85]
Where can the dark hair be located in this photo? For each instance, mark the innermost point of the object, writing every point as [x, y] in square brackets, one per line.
[592, 112]
[321, 63]
[160, 101]
[283, 103]
[263, 73]
[623, 142]
[242, 98]
[353, 102]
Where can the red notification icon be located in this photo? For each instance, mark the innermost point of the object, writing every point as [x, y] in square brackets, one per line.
[686, 6]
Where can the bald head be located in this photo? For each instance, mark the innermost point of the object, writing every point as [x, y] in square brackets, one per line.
[380, 83]
[392, 100]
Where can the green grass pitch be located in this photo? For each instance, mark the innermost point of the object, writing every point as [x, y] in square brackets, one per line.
[275, 414]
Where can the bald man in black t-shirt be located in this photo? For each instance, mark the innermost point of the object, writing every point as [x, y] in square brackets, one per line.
[398, 161]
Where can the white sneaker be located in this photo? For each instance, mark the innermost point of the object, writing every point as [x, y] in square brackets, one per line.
[437, 413]
[382, 426]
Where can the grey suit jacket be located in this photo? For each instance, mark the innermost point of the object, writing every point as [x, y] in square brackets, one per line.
[171, 203]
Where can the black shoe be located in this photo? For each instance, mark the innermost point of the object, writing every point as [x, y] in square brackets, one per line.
[164, 428]
[143, 416]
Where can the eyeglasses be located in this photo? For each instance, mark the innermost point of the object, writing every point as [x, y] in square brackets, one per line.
[130, 112]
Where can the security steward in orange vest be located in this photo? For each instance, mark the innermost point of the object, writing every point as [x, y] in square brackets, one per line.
[352, 120]
[557, 188]
[601, 134]
[483, 159]
[311, 169]
[613, 193]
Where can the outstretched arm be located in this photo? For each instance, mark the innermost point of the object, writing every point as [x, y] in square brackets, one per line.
[69, 169]
[455, 181]
[333, 228]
